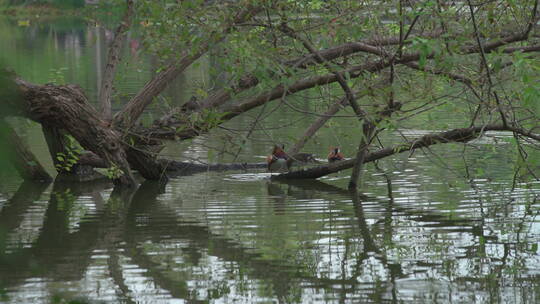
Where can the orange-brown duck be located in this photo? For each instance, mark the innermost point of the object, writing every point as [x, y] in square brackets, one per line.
[277, 161]
[335, 155]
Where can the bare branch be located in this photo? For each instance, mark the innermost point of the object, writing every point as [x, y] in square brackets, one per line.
[450, 75]
[340, 79]
[369, 46]
[315, 126]
[524, 49]
[486, 66]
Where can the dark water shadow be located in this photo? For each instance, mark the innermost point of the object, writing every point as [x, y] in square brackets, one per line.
[56, 253]
[13, 212]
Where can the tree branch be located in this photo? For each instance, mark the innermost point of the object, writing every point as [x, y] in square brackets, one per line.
[67, 108]
[371, 46]
[453, 76]
[135, 107]
[112, 62]
[249, 81]
[486, 66]
[317, 124]
[168, 129]
[340, 79]
[455, 135]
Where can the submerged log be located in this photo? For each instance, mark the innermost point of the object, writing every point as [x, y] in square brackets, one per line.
[80, 173]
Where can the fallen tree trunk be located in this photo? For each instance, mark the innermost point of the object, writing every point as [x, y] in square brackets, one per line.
[455, 135]
[185, 168]
[67, 108]
[146, 163]
[174, 167]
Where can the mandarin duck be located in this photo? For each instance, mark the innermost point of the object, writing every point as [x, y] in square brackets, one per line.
[335, 155]
[277, 161]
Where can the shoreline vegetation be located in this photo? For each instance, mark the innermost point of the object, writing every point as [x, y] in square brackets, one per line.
[27, 13]
[37, 10]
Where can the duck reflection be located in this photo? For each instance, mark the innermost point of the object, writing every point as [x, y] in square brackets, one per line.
[282, 191]
[278, 197]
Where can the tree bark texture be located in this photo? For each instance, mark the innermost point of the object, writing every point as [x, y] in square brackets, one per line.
[56, 144]
[67, 108]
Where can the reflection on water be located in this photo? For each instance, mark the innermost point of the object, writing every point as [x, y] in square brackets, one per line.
[236, 239]
[419, 232]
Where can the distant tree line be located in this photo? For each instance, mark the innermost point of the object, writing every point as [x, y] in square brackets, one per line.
[58, 3]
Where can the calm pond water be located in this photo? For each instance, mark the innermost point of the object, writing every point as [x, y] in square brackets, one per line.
[420, 231]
